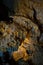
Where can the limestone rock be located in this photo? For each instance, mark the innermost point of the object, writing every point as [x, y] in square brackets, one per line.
[25, 8]
[23, 38]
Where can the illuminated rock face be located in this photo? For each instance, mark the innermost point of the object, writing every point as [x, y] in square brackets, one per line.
[22, 50]
[23, 38]
[20, 40]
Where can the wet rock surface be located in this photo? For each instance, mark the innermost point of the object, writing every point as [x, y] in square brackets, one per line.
[21, 41]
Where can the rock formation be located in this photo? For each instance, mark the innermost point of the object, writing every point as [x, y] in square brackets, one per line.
[21, 39]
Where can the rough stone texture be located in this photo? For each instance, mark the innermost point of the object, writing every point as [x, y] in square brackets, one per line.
[24, 35]
[30, 9]
[13, 35]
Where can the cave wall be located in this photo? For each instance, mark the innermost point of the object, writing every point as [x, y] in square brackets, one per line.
[9, 3]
